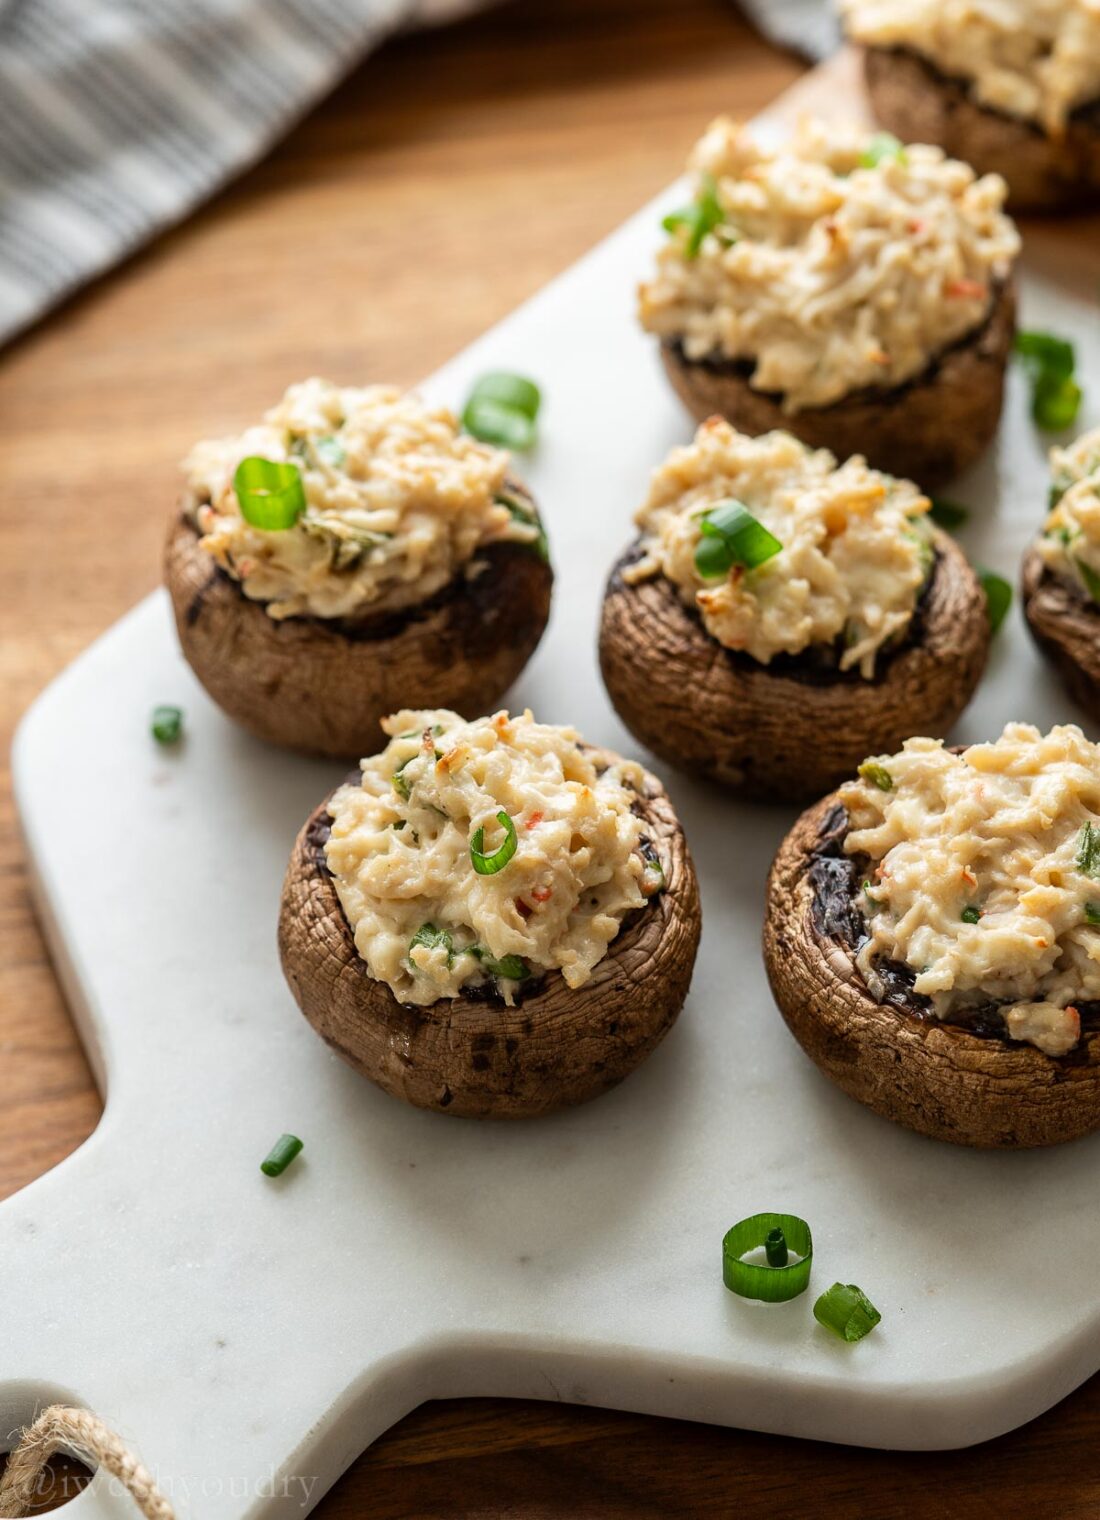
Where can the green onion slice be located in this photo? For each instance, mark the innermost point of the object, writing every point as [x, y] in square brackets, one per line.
[882, 148]
[270, 493]
[970, 914]
[877, 775]
[489, 865]
[502, 409]
[704, 215]
[948, 514]
[774, 1285]
[512, 968]
[1050, 363]
[167, 724]
[1090, 578]
[730, 535]
[432, 938]
[281, 1154]
[846, 1311]
[998, 597]
[1092, 912]
[1088, 851]
[522, 512]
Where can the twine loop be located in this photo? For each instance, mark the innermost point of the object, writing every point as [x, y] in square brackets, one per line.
[86, 1436]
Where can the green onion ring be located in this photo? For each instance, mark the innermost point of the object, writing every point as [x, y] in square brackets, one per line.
[281, 1154]
[270, 493]
[774, 1285]
[998, 597]
[489, 865]
[730, 535]
[846, 1311]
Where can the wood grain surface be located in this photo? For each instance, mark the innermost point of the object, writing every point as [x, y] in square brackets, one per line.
[447, 179]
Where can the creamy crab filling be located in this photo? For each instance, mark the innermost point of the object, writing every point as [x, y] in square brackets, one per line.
[397, 502]
[1069, 545]
[855, 546]
[837, 262]
[484, 853]
[1035, 59]
[983, 877]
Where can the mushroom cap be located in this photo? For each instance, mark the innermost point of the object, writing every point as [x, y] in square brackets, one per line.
[473, 1055]
[1066, 627]
[936, 1078]
[929, 429]
[769, 732]
[918, 102]
[322, 686]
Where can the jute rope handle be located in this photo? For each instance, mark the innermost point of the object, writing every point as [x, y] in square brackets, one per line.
[85, 1435]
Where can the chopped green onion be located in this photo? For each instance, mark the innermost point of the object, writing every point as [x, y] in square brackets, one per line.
[502, 409]
[704, 215]
[1092, 913]
[877, 775]
[1090, 578]
[1050, 363]
[280, 1156]
[270, 493]
[432, 938]
[775, 1248]
[401, 784]
[730, 535]
[489, 865]
[167, 725]
[846, 1311]
[883, 147]
[1058, 487]
[948, 514]
[970, 915]
[1088, 851]
[772, 1284]
[512, 968]
[523, 513]
[331, 452]
[998, 597]
[868, 894]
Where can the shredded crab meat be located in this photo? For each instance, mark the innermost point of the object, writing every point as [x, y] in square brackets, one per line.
[984, 876]
[1070, 542]
[856, 546]
[398, 502]
[825, 276]
[1035, 59]
[425, 922]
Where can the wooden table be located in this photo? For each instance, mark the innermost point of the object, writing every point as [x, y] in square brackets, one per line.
[450, 177]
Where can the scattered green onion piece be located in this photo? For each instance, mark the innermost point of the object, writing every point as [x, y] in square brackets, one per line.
[331, 452]
[1058, 488]
[401, 784]
[877, 775]
[1088, 851]
[704, 215]
[1090, 578]
[512, 968]
[502, 409]
[523, 513]
[167, 725]
[998, 597]
[270, 493]
[869, 895]
[883, 147]
[773, 1285]
[948, 514]
[280, 1156]
[730, 535]
[432, 938]
[1050, 363]
[846, 1311]
[775, 1248]
[970, 914]
[489, 865]
[1092, 913]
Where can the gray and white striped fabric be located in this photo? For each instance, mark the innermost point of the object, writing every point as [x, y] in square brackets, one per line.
[118, 117]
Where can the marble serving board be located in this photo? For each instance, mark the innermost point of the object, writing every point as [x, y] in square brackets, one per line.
[250, 1337]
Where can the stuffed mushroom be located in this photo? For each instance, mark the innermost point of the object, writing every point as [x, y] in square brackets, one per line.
[1013, 87]
[352, 553]
[1061, 574]
[493, 919]
[933, 937]
[780, 616]
[850, 290]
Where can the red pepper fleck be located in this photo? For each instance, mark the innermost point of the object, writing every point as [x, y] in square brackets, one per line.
[542, 894]
[962, 289]
[534, 818]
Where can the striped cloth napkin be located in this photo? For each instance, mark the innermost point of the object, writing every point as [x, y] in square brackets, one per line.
[118, 117]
